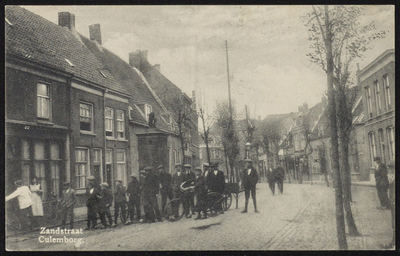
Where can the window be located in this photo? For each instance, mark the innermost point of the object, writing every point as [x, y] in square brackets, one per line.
[382, 145]
[390, 137]
[320, 130]
[97, 166]
[372, 146]
[43, 101]
[40, 167]
[377, 97]
[121, 124]
[387, 92]
[121, 165]
[81, 166]
[109, 113]
[55, 168]
[86, 117]
[108, 170]
[369, 103]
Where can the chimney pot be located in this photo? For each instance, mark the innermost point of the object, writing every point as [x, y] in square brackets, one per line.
[95, 33]
[135, 59]
[66, 19]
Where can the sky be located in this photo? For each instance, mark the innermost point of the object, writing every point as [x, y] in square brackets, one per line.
[267, 46]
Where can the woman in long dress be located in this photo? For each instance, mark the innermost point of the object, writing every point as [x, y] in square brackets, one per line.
[37, 206]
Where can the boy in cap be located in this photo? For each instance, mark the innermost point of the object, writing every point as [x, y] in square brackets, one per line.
[67, 203]
[133, 192]
[189, 197]
[106, 199]
[25, 203]
[177, 179]
[120, 201]
[200, 192]
[216, 183]
[92, 202]
[165, 179]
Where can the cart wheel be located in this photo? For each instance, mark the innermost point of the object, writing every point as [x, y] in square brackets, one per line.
[169, 213]
[12, 222]
[227, 202]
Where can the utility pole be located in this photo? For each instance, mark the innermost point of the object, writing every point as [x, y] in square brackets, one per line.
[229, 85]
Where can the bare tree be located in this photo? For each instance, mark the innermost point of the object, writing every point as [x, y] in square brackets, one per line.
[182, 118]
[205, 135]
[229, 137]
[271, 136]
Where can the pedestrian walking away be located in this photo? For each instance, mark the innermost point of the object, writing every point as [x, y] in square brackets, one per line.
[165, 179]
[37, 206]
[92, 202]
[133, 193]
[67, 203]
[382, 183]
[271, 180]
[279, 174]
[190, 195]
[249, 182]
[120, 202]
[25, 203]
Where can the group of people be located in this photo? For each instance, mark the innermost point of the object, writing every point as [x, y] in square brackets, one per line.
[276, 176]
[31, 206]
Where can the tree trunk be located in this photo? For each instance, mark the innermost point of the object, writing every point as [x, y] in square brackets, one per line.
[340, 225]
[344, 163]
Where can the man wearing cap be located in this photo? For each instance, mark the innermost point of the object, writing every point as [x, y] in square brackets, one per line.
[382, 183]
[271, 179]
[200, 192]
[25, 202]
[133, 192]
[149, 192]
[165, 179]
[250, 179]
[216, 182]
[190, 195]
[67, 203]
[92, 202]
[177, 179]
[392, 194]
[120, 201]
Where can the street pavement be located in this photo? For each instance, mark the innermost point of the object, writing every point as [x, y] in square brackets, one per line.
[302, 218]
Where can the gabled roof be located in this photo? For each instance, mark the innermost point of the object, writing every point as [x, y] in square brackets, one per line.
[40, 41]
[130, 80]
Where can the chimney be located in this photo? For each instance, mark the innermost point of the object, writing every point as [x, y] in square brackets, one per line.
[136, 57]
[95, 33]
[144, 54]
[66, 19]
[305, 106]
[158, 67]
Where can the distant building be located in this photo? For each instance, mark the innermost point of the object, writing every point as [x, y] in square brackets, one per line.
[377, 82]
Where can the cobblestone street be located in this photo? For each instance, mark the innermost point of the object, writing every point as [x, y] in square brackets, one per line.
[303, 218]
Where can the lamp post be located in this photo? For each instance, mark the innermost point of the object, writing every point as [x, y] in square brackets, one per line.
[247, 147]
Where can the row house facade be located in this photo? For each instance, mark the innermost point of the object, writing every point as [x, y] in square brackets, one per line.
[75, 109]
[377, 82]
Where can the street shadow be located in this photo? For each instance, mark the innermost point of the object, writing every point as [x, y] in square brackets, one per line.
[206, 226]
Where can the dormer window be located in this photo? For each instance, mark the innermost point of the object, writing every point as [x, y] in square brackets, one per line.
[146, 110]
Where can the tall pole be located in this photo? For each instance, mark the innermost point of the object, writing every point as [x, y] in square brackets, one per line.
[229, 85]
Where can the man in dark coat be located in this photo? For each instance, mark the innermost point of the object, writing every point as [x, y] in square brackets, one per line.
[120, 201]
[382, 183]
[200, 192]
[133, 193]
[165, 179]
[150, 188]
[92, 202]
[279, 174]
[190, 195]
[271, 180]
[216, 183]
[249, 182]
[177, 179]
[67, 202]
